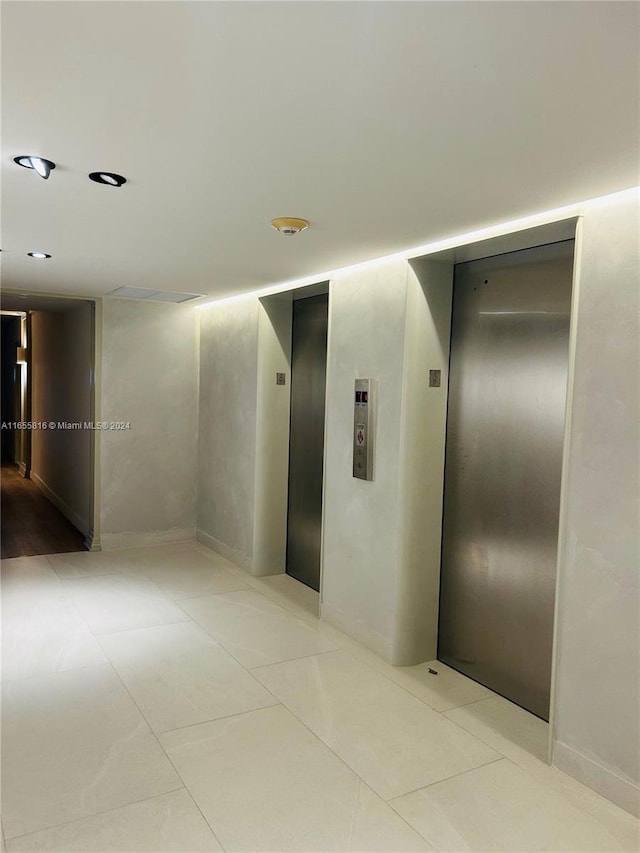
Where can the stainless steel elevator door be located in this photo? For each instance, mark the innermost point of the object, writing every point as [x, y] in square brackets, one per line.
[306, 443]
[505, 428]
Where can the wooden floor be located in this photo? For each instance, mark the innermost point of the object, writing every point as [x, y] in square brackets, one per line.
[31, 524]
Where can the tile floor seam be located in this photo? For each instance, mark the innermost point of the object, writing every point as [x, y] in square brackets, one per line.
[342, 647]
[95, 814]
[477, 737]
[445, 779]
[344, 761]
[6, 681]
[296, 609]
[582, 809]
[72, 577]
[341, 760]
[215, 719]
[96, 636]
[291, 660]
[369, 666]
[484, 699]
[492, 746]
[385, 676]
[188, 621]
[273, 663]
[202, 628]
[70, 600]
[207, 594]
[138, 628]
[156, 590]
[465, 704]
[167, 756]
[276, 598]
[47, 558]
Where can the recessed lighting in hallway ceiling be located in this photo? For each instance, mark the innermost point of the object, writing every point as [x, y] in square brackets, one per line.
[38, 255]
[39, 165]
[289, 225]
[111, 179]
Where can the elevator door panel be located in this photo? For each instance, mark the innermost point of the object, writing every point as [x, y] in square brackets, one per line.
[306, 449]
[505, 428]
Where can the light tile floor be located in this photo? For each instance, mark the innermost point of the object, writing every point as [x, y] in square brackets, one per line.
[161, 699]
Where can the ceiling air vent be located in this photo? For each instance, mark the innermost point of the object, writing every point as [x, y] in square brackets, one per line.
[152, 295]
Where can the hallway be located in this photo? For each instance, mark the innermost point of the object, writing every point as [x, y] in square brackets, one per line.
[31, 524]
[162, 699]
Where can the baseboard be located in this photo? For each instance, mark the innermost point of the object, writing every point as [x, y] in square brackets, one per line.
[351, 627]
[227, 551]
[620, 791]
[113, 541]
[64, 508]
[22, 469]
[92, 542]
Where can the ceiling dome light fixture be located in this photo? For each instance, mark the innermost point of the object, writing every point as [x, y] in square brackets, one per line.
[111, 179]
[289, 225]
[38, 255]
[38, 164]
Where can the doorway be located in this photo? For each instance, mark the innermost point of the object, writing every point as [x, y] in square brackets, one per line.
[306, 442]
[48, 460]
[505, 431]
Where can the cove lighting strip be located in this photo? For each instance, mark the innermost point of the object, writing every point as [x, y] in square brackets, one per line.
[514, 225]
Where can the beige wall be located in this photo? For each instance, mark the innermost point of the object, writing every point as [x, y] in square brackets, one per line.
[272, 437]
[243, 447]
[227, 427]
[367, 316]
[597, 699]
[61, 376]
[148, 378]
[423, 429]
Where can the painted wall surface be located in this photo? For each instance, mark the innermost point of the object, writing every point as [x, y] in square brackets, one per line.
[423, 429]
[272, 436]
[61, 366]
[149, 379]
[367, 312]
[227, 427]
[598, 635]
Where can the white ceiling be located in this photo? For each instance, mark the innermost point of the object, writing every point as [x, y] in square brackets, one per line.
[386, 124]
[35, 302]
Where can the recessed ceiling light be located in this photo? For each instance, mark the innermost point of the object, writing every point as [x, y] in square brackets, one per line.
[289, 225]
[38, 164]
[111, 179]
[38, 255]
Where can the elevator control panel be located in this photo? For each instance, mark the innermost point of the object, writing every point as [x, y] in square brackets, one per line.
[363, 428]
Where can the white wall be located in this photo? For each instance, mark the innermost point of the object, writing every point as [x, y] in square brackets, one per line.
[227, 427]
[424, 417]
[598, 635]
[367, 315]
[272, 436]
[148, 378]
[61, 365]
[243, 448]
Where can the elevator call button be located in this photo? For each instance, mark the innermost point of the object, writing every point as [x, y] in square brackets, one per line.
[363, 427]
